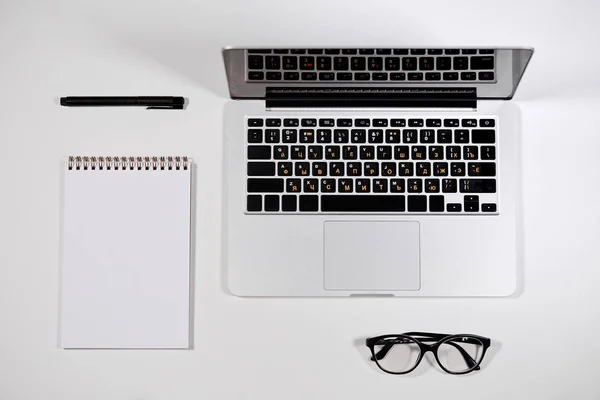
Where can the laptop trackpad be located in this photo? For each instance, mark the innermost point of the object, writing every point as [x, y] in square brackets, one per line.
[367, 256]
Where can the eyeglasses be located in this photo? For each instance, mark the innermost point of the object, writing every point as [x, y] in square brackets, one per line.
[401, 354]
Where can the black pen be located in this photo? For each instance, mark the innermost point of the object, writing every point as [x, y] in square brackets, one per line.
[151, 102]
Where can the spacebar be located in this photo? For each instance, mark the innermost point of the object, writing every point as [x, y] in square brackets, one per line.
[358, 203]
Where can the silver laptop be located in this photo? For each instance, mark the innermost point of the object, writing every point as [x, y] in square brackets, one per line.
[372, 172]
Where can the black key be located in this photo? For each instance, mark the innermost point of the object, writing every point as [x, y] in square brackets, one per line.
[486, 51]
[327, 122]
[486, 62]
[358, 63]
[426, 63]
[280, 153]
[469, 51]
[375, 135]
[271, 202]
[344, 122]
[332, 51]
[309, 76]
[436, 153]
[483, 136]
[344, 76]
[461, 63]
[388, 169]
[384, 152]
[477, 185]
[488, 207]
[340, 136]
[427, 136]
[345, 185]
[471, 206]
[415, 185]
[255, 135]
[366, 51]
[332, 152]
[409, 135]
[486, 76]
[362, 203]
[470, 152]
[311, 186]
[274, 76]
[291, 122]
[392, 63]
[255, 62]
[417, 51]
[349, 152]
[398, 76]
[449, 185]
[398, 123]
[340, 63]
[482, 169]
[487, 123]
[375, 63]
[271, 135]
[433, 76]
[348, 51]
[319, 169]
[397, 186]
[469, 123]
[302, 169]
[336, 169]
[309, 122]
[392, 135]
[418, 153]
[371, 169]
[450, 76]
[362, 122]
[384, 51]
[443, 63]
[290, 135]
[415, 122]
[409, 63]
[434, 51]
[291, 76]
[324, 63]
[328, 185]
[259, 51]
[432, 186]
[379, 185]
[315, 51]
[256, 75]
[326, 76]
[454, 207]
[354, 168]
[440, 169]
[272, 62]
[401, 152]
[280, 51]
[288, 202]
[265, 185]
[259, 152]
[458, 169]
[415, 76]
[451, 123]
[362, 76]
[436, 203]
[423, 169]
[292, 185]
[297, 51]
[452, 51]
[315, 152]
[379, 76]
[284, 169]
[461, 136]
[298, 152]
[488, 152]
[453, 152]
[359, 136]
[323, 135]
[261, 169]
[307, 63]
[290, 62]
[273, 122]
[417, 203]
[433, 123]
[255, 122]
[468, 76]
[401, 52]
[254, 202]
[363, 185]
[307, 136]
[367, 152]
[309, 202]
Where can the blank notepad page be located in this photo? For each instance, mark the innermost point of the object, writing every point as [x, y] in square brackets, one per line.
[125, 278]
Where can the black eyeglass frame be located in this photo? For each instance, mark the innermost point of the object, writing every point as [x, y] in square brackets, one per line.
[439, 338]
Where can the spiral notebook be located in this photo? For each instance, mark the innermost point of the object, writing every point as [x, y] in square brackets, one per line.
[125, 270]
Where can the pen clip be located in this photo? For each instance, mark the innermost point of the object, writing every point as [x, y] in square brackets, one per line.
[173, 107]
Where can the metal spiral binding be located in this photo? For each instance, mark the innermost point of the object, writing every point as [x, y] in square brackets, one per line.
[128, 163]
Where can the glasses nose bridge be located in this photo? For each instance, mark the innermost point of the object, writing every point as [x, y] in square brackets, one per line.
[428, 347]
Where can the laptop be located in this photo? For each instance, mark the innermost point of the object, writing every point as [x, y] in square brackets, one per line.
[372, 172]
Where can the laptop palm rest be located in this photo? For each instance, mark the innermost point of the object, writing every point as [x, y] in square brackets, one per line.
[371, 256]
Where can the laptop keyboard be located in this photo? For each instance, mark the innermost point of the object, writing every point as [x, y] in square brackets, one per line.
[371, 65]
[419, 164]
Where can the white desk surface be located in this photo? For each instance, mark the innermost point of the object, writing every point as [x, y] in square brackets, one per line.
[545, 340]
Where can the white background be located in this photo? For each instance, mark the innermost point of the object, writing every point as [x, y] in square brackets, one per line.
[545, 340]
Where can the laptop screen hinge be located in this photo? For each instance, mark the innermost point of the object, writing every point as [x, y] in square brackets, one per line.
[298, 97]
